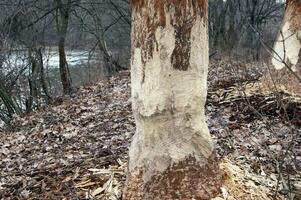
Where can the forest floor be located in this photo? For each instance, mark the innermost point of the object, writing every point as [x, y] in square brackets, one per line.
[77, 147]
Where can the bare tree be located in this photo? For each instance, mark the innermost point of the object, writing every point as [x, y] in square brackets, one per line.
[231, 22]
[96, 23]
[62, 20]
[286, 59]
[30, 28]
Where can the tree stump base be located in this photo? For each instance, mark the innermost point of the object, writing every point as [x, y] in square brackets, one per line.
[185, 180]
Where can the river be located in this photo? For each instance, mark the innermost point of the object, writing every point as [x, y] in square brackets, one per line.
[51, 59]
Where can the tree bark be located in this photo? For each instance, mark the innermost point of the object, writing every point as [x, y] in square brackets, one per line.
[64, 72]
[172, 155]
[34, 84]
[62, 20]
[286, 60]
[1, 53]
[43, 79]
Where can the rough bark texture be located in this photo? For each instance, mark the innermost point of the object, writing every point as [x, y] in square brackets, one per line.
[172, 154]
[64, 72]
[184, 15]
[62, 21]
[288, 49]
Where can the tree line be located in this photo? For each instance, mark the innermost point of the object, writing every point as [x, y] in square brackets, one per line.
[101, 28]
[30, 27]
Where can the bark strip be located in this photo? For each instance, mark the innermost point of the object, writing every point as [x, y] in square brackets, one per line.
[151, 14]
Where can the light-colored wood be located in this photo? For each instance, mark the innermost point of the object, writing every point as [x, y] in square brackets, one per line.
[286, 60]
[172, 154]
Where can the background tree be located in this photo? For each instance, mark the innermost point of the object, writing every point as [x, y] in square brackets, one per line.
[83, 35]
[63, 10]
[232, 24]
[286, 59]
[96, 23]
[172, 153]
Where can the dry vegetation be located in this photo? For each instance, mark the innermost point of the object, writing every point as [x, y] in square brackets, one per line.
[77, 147]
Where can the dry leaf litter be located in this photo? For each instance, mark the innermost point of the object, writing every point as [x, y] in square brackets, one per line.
[77, 147]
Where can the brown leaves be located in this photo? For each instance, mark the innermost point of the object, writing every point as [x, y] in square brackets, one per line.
[255, 127]
[78, 149]
[48, 154]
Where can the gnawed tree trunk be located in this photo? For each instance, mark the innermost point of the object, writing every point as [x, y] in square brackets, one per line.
[286, 60]
[172, 154]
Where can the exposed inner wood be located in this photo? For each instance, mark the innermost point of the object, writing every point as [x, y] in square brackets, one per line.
[151, 15]
[286, 59]
[172, 151]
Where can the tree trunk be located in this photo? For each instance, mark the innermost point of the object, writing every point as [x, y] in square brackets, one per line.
[62, 20]
[107, 57]
[34, 82]
[1, 53]
[64, 72]
[172, 155]
[43, 79]
[111, 66]
[287, 56]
